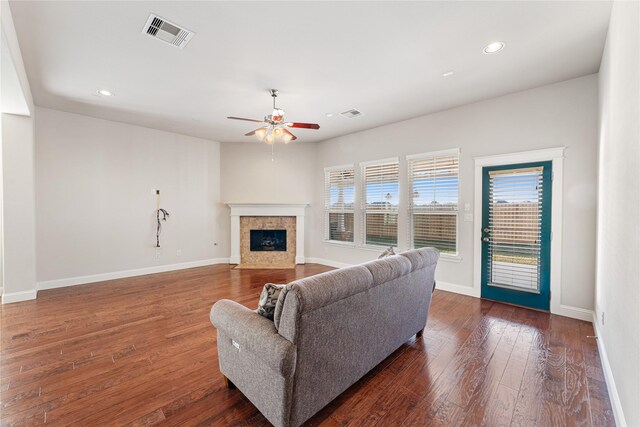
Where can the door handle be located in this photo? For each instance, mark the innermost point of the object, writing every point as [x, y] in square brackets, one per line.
[485, 239]
[486, 229]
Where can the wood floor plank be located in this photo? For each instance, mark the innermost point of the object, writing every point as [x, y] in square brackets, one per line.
[499, 411]
[576, 393]
[141, 351]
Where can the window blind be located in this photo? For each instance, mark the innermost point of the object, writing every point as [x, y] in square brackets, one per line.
[339, 203]
[380, 203]
[433, 201]
[515, 223]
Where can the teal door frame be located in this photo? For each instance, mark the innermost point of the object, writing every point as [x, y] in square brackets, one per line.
[537, 300]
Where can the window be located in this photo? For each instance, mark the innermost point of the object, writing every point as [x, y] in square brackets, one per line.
[433, 200]
[380, 203]
[339, 203]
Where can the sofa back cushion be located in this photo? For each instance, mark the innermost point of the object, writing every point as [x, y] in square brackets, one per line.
[388, 268]
[313, 292]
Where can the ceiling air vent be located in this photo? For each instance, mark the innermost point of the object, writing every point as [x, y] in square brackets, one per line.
[167, 31]
[350, 114]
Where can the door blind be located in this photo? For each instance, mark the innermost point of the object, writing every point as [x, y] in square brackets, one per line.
[433, 202]
[380, 203]
[515, 228]
[339, 204]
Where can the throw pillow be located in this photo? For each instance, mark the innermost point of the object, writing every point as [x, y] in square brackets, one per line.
[387, 252]
[268, 300]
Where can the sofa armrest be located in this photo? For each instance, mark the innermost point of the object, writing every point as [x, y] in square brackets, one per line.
[255, 334]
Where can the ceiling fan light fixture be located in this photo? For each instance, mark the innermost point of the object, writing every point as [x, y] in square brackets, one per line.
[278, 132]
[287, 137]
[270, 138]
[261, 133]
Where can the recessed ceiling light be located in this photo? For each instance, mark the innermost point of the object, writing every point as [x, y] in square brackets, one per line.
[493, 47]
[329, 114]
[105, 92]
[447, 74]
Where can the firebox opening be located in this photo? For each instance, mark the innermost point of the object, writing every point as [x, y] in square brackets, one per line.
[268, 240]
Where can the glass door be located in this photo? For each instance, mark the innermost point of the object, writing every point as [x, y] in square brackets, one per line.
[516, 234]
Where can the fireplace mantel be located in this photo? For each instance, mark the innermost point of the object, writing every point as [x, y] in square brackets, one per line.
[266, 209]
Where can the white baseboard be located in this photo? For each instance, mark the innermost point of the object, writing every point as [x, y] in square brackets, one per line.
[327, 262]
[458, 289]
[573, 312]
[608, 376]
[19, 296]
[81, 280]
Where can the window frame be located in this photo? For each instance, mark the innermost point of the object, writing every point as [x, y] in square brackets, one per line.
[328, 210]
[363, 203]
[410, 211]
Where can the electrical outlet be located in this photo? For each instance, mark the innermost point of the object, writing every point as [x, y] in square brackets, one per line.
[602, 321]
[158, 252]
[179, 252]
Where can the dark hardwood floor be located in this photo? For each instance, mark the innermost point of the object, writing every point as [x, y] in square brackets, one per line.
[141, 351]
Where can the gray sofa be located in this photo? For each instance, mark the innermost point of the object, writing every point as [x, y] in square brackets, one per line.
[328, 331]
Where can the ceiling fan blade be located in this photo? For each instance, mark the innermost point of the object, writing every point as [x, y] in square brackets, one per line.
[293, 137]
[304, 125]
[253, 132]
[246, 120]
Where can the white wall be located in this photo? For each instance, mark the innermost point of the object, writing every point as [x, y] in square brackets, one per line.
[618, 251]
[17, 169]
[12, 94]
[562, 114]
[10, 42]
[19, 263]
[250, 176]
[95, 205]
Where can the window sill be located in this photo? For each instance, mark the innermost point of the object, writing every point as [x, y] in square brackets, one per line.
[376, 248]
[340, 243]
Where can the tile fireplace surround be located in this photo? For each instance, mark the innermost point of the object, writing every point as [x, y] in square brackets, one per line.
[272, 210]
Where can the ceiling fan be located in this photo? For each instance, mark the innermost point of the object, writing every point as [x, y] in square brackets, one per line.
[274, 127]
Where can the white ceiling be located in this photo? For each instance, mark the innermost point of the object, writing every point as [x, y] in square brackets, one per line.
[383, 58]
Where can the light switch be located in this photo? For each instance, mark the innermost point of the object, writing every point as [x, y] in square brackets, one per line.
[467, 207]
[468, 217]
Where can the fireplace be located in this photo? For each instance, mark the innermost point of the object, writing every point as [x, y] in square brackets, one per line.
[270, 218]
[268, 240]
